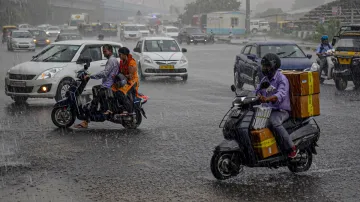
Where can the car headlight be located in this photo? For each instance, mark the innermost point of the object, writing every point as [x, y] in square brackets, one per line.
[47, 41]
[148, 60]
[356, 61]
[183, 60]
[34, 40]
[47, 33]
[48, 74]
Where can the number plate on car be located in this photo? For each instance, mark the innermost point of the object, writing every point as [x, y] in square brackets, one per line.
[166, 66]
[17, 83]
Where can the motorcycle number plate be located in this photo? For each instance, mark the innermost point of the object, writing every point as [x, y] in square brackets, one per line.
[236, 114]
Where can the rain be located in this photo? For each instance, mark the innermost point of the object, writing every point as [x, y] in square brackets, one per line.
[194, 129]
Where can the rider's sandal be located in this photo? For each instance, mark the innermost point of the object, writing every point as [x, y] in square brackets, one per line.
[108, 112]
[82, 125]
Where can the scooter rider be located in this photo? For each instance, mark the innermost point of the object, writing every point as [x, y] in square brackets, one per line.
[321, 53]
[101, 37]
[274, 91]
[107, 76]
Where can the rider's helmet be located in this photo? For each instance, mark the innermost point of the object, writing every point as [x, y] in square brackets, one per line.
[270, 63]
[324, 38]
[101, 37]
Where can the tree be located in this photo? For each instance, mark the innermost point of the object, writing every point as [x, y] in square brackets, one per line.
[208, 6]
[299, 4]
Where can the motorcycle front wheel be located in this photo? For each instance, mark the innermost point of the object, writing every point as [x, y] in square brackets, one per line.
[225, 165]
[62, 117]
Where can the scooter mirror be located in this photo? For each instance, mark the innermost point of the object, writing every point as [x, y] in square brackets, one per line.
[233, 88]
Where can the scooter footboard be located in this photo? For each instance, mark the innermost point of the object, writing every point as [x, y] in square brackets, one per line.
[228, 146]
[62, 103]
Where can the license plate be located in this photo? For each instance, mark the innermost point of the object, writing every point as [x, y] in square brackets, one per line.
[23, 46]
[166, 66]
[18, 83]
[344, 61]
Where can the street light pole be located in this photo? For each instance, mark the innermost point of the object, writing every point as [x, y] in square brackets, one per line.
[247, 24]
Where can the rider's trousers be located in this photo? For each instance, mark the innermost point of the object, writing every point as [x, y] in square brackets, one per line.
[276, 120]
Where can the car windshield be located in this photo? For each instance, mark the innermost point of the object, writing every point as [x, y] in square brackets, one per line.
[286, 50]
[75, 22]
[57, 53]
[161, 46]
[143, 28]
[131, 28]
[38, 33]
[172, 30]
[53, 28]
[193, 30]
[264, 23]
[21, 35]
[348, 45]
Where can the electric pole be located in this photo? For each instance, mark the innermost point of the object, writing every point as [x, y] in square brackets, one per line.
[247, 24]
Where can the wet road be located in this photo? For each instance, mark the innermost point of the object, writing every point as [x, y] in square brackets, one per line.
[168, 157]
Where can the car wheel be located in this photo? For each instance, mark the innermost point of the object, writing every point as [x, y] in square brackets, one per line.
[19, 99]
[63, 88]
[142, 77]
[238, 84]
[185, 77]
[256, 80]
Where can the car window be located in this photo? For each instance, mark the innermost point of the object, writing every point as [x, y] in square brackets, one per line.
[94, 52]
[116, 51]
[246, 50]
[139, 45]
[253, 50]
[161, 46]
[21, 35]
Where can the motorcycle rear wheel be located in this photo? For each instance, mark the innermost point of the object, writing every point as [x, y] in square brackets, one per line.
[222, 165]
[304, 163]
[66, 120]
[131, 124]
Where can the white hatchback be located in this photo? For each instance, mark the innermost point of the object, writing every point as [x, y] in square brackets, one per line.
[160, 56]
[170, 31]
[50, 73]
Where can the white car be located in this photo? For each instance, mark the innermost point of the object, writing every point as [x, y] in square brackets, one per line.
[53, 31]
[170, 31]
[21, 40]
[50, 73]
[131, 31]
[144, 31]
[24, 26]
[160, 56]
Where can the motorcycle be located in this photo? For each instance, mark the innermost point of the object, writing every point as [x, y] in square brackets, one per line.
[238, 149]
[327, 71]
[211, 38]
[67, 110]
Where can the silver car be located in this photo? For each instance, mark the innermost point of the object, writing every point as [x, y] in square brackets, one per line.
[21, 40]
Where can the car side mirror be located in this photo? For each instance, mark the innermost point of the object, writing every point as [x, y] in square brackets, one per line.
[233, 88]
[251, 57]
[137, 50]
[184, 50]
[309, 56]
[333, 42]
[84, 60]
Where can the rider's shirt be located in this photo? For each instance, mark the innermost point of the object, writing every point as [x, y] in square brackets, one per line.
[108, 74]
[279, 87]
[322, 48]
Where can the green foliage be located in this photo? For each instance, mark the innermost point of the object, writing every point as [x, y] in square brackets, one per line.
[329, 28]
[207, 6]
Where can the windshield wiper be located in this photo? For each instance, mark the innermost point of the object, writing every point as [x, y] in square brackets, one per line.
[280, 53]
[57, 52]
[159, 46]
[292, 53]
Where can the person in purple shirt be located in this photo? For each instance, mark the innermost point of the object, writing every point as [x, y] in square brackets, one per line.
[274, 92]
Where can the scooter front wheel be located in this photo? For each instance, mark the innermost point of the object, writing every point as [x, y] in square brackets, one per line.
[62, 117]
[225, 165]
[134, 124]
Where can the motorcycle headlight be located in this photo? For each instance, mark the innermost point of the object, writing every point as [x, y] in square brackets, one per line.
[356, 61]
[148, 60]
[183, 60]
[48, 74]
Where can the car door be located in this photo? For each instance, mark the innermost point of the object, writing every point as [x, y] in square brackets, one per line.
[252, 64]
[243, 61]
[97, 64]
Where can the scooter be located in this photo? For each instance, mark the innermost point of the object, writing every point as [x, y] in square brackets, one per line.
[67, 110]
[327, 72]
[238, 150]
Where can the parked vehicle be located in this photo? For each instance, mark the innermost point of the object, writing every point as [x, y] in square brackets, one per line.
[259, 26]
[50, 72]
[238, 149]
[191, 35]
[222, 23]
[247, 68]
[21, 40]
[160, 56]
[40, 37]
[68, 109]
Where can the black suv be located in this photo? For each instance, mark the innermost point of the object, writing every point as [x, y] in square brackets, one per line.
[192, 35]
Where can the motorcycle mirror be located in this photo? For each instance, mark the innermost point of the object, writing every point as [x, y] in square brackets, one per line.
[233, 88]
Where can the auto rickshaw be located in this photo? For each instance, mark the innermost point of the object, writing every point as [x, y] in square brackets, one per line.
[347, 59]
[6, 32]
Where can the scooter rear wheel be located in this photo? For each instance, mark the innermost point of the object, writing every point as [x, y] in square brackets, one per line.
[224, 165]
[302, 162]
[62, 117]
[131, 124]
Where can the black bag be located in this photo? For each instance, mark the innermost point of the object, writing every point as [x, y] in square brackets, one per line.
[120, 80]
